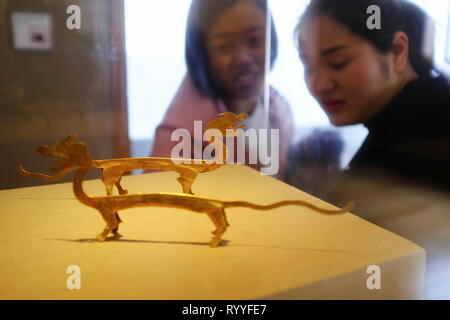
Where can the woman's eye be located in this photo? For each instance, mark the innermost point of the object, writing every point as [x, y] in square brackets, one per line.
[223, 48]
[255, 42]
[339, 66]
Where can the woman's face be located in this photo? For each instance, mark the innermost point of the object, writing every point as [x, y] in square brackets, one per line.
[349, 78]
[236, 47]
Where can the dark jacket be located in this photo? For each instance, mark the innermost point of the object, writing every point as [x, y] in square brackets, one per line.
[410, 137]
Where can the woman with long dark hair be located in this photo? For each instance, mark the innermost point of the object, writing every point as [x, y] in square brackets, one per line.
[226, 59]
[383, 78]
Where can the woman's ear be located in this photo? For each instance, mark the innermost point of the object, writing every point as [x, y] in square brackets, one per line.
[400, 51]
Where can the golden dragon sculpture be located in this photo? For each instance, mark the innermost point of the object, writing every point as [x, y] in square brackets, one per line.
[188, 169]
[74, 156]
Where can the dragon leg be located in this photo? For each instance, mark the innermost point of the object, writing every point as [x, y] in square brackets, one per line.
[119, 187]
[112, 224]
[109, 185]
[117, 220]
[215, 219]
[186, 183]
[109, 189]
[220, 221]
[111, 178]
[102, 236]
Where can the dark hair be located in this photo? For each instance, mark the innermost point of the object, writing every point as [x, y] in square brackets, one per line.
[202, 14]
[396, 15]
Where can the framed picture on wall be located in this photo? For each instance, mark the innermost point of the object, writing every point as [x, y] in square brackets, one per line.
[32, 31]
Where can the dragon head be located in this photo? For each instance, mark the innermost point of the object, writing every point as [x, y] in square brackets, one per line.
[72, 155]
[226, 123]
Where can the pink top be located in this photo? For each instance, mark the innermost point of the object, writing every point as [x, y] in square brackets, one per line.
[190, 105]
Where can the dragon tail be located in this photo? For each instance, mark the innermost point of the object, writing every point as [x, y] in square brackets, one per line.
[229, 204]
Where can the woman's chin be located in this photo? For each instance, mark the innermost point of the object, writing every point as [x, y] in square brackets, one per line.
[339, 120]
[248, 92]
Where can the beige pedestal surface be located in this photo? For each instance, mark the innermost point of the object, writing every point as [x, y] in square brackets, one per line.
[286, 253]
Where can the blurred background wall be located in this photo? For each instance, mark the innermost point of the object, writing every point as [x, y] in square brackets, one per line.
[76, 87]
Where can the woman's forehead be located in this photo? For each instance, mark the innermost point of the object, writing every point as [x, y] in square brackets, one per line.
[237, 33]
[325, 35]
[241, 18]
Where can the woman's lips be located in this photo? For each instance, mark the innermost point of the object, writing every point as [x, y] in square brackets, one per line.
[333, 105]
[248, 79]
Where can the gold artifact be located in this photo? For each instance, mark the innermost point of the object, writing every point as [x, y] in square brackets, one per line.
[113, 169]
[74, 155]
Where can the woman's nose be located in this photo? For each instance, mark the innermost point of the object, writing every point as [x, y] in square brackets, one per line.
[322, 82]
[242, 56]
